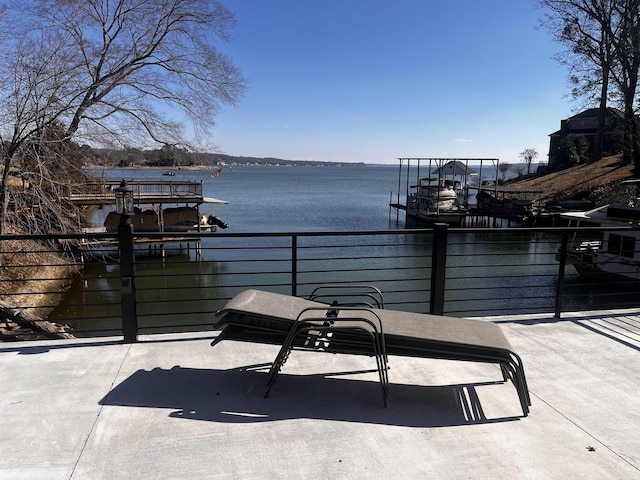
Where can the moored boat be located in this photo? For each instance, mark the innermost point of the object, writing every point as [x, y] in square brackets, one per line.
[441, 196]
[613, 253]
[436, 200]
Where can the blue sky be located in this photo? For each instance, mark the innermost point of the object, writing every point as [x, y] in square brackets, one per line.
[374, 80]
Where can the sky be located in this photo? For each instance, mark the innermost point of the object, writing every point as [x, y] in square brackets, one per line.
[376, 80]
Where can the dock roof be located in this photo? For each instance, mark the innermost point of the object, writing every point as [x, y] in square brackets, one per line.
[455, 168]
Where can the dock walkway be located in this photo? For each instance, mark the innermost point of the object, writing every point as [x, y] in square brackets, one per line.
[144, 192]
[173, 407]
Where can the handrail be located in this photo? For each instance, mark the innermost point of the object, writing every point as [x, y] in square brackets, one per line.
[446, 270]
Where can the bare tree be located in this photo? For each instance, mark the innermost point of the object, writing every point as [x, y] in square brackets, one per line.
[603, 50]
[107, 71]
[527, 156]
[627, 45]
[582, 26]
[504, 168]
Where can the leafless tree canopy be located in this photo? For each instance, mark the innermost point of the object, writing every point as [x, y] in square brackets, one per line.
[527, 156]
[602, 40]
[581, 31]
[120, 65]
[130, 72]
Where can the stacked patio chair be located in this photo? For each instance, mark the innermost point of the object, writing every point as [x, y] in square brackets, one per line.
[355, 322]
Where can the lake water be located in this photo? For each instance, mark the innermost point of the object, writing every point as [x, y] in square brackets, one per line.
[321, 199]
[280, 199]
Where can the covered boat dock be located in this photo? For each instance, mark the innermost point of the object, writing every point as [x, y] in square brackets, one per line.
[149, 198]
[411, 173]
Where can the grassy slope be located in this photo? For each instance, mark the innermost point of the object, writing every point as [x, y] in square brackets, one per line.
[595, 181]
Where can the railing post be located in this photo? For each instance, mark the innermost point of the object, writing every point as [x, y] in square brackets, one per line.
[561, 268]
[127, 280]
[294, 265]
[438, 268]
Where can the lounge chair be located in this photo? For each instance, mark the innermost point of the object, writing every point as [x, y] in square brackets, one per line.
[352, 330]
[293, 322]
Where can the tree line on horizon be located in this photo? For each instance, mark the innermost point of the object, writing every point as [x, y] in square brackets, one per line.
[175, 157]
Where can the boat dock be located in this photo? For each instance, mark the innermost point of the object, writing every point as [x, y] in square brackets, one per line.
[171, 406]
[144, 192]
[474, 202]
[97, 249]
[154, 194]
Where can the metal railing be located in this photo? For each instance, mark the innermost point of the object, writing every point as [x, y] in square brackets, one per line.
[128, 283]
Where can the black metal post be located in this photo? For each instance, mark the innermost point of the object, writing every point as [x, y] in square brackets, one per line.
[438, 268]
[294, 265]
[560, 284]
[127, 280]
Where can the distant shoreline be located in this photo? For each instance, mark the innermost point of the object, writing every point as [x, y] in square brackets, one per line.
[218, 167]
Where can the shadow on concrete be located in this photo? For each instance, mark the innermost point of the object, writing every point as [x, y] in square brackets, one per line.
[38, 347]
[623, 328]
[237, 396]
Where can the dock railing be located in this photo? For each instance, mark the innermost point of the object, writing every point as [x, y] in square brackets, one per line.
[101, 192]
[119, 285]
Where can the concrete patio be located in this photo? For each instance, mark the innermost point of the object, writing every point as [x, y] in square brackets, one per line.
[172, 407]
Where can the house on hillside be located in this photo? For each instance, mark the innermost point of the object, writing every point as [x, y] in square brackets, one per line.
[586, 124]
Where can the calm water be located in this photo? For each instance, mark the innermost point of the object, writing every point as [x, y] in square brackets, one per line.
[280, 199]
[307, 199]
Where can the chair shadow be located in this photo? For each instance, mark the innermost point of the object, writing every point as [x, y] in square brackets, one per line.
[237, 396]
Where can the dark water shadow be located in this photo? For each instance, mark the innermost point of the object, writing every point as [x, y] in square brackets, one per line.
[237, 396]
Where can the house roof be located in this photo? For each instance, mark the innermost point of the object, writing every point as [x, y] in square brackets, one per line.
[593, 112]
[589, 113]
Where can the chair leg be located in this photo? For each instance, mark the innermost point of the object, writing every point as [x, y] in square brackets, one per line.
[287, 346]
[276, 366]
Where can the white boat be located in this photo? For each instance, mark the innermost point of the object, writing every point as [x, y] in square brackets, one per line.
[613, 254]
[436, 200]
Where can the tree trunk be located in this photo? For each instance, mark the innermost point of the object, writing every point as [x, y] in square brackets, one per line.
[4, 198]
[636, 148]
[602, 114]
[31, 322]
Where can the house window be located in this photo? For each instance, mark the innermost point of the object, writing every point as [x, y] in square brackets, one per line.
[621, 245]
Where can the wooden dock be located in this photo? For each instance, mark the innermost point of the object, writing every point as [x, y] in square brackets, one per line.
[145, 192]
[102, 192]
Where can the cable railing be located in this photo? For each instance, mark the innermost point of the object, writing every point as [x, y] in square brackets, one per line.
[178, 281]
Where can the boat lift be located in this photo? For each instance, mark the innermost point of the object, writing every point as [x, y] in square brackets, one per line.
[155, 193]
[439, 168]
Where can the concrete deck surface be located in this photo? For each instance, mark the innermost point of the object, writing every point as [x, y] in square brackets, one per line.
[172, 407]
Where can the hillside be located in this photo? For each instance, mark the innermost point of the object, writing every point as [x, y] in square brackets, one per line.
[597, 182]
